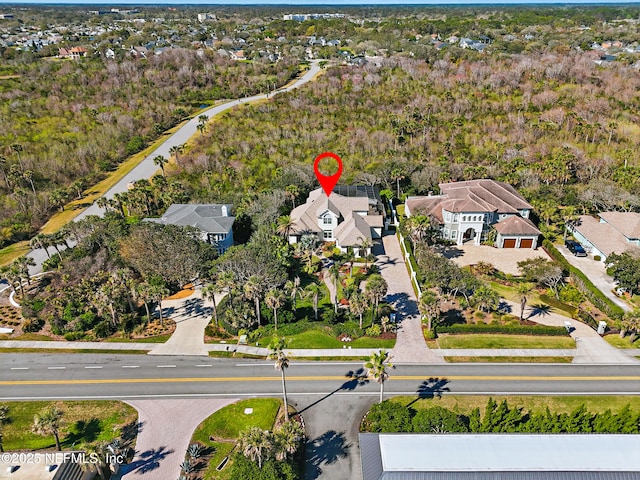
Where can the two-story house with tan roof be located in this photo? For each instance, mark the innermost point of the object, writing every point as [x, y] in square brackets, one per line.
[466, 212]
[350, 218]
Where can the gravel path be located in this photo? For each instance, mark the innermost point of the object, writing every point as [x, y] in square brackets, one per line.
[410, 344]
[164, 430]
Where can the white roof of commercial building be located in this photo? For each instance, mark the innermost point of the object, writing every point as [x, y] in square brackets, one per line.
[400, 456]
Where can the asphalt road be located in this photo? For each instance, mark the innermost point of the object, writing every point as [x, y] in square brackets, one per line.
[56, 376]
[146, 168]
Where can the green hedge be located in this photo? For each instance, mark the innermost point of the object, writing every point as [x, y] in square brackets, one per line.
[583, 284]
[565, 307]
[504, 329]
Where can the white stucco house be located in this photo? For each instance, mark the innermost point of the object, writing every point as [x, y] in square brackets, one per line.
[346, 218]
[466, 212]
[214, 221]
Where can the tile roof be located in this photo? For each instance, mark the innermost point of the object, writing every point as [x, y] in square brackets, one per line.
[431, 205]
[627, 223]
[516, 225]
[352, 231]
[305, 217]
[210, 218]
[486, 194]
[601, 235]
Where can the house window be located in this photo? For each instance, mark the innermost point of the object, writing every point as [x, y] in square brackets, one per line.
[455, 218]
[447, 217]
[327, 234]
[454, 234]
[326, 220]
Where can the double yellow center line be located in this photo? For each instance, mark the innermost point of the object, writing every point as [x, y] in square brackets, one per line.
[450, 378]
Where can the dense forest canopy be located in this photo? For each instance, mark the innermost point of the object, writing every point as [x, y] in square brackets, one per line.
[533, 108]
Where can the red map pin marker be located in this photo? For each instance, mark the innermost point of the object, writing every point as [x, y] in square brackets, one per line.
[327, 181]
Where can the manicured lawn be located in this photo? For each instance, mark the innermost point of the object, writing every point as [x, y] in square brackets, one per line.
[228, 422]
[508, 359]
[625, 342]
[320, 339]
[503, 341]
[534, 403]
[70, 350]
[155, 339]
[226, 425]
[83, 422]
[28, 337]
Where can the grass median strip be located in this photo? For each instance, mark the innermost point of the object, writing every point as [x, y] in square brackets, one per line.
[481, 341]
[463, 359]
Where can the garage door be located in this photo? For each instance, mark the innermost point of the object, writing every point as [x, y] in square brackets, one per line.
[509, 243]
[526, 243]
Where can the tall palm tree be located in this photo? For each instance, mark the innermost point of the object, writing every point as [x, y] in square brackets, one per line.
[486, 298]
[358, 305]
[375, 289]
[176, 150]
[253, 291]
[277, 353]
[334, 274]
[40, 241]
[158, 292]
[274, 300]
[209, 292]
[293, 286]
[255, 444]
[364, 245]
[99, 454]
[160, 161]
[523, 291]
[48, 422]
[377, 368]
[314, 290]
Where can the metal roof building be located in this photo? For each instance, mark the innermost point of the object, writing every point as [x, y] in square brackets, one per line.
[500, 457]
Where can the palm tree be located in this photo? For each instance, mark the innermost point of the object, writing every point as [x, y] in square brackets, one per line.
[176, 150]
[285, 226]
[523, 291]
[274, 300]
[334, 274]
[377, 366]
[23, 263]
[209, 292]
[375, 290]
[99, 454]
[486, 298]
[160, 161]
[157, 293]
[40, 241]
[287, 439]
[293, 286]
[227, 281]
[363, 249]
[428, 307]
[631, 323]
[48, 422]
[143, 292]
[253, 291]
[358, 305]
[277, 353]
[314, 290]
[255, 444]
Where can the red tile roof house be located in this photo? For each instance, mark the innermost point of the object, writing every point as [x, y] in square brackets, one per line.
[612, 232]
[466, 211]
[347, 220]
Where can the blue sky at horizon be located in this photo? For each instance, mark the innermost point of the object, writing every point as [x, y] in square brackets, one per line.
[316, 3]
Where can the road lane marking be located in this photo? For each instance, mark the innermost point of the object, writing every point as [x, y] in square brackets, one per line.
[93, 366]
[317, 378]
[19, 368]
[56, 368]
[130, 366]
[204, 365]
[165, 366]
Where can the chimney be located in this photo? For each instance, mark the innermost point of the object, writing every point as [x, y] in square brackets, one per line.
[225, 211]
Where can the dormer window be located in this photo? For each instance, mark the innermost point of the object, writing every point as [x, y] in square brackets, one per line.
[326, 220]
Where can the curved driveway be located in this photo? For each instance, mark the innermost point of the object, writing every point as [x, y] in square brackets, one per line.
[146, 168]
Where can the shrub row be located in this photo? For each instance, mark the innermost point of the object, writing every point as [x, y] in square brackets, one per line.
[504, 329]
[583, 284]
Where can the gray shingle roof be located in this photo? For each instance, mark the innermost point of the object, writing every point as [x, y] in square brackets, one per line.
[210, 218]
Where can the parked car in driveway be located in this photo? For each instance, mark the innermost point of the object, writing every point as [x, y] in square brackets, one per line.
[575, 248]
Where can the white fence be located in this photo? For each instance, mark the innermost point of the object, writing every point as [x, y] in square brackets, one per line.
[407, 261]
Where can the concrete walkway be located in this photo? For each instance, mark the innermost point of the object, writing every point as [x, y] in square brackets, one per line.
[590, 346]
[165, 428]
[411, 346]
[192, 315]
